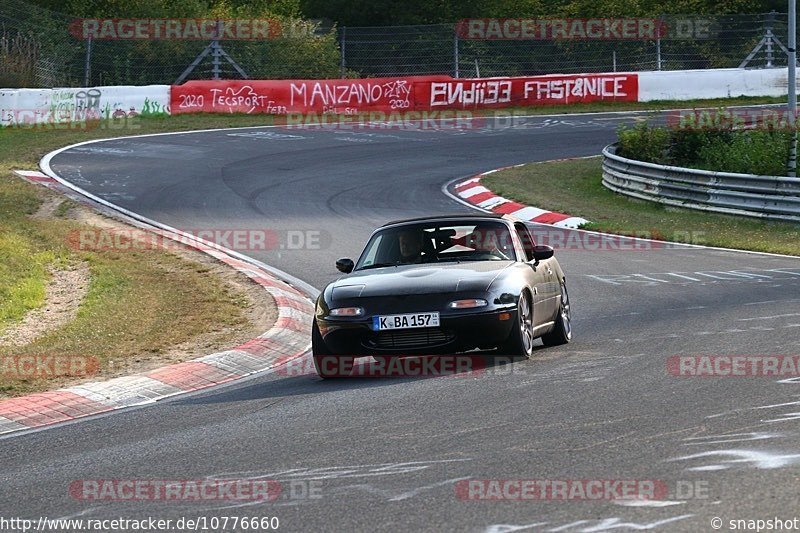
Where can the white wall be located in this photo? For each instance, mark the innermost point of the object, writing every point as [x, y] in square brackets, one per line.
[718, 83]
[62, 105]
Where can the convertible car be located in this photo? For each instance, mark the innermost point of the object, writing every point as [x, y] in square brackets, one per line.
[442, 285]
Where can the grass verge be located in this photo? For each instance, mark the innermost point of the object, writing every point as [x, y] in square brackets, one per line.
[574, 187]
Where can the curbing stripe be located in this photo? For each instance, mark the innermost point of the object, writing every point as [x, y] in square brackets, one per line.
[529, 213]
[550, 218]
[571, 222]
[125, 391]
[46, 408]
[7, 426]
[508, 208]
[192, 375]
[481, 197]
[287, 339]
[493, 202]
[471, 191]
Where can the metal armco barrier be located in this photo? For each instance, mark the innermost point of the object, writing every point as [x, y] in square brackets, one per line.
[772, 197]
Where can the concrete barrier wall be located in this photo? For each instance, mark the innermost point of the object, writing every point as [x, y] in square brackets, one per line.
[717, 83]
[62, 105]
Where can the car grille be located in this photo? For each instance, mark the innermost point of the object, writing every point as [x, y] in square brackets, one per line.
[410, 338]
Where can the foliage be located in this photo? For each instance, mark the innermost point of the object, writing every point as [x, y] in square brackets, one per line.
[721, 146]
[18, 55]
[388, 12]
[644, 143]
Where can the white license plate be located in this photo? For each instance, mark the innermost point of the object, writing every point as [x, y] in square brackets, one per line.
[412, 320]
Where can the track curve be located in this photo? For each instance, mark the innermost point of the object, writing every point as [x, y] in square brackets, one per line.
[388, 452]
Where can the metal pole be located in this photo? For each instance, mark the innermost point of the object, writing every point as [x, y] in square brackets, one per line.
[215, 62]
[658, 52]
[662, 30]
[614, 61]
[341, 51]
[792, 107]
[455, 54]
[87, 68]
[769, 49]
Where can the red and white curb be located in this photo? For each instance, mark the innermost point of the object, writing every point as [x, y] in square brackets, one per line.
[287, 339]
[472, 192]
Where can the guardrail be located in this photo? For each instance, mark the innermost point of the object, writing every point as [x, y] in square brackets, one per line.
[771, 197]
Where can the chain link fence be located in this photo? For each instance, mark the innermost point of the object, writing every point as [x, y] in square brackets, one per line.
[691, 42]
[38, 50]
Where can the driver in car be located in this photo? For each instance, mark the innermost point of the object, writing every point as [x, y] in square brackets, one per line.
[491, 240]
[411, 245]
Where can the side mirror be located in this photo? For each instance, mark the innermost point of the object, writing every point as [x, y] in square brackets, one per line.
[346, 265]
[542, 252]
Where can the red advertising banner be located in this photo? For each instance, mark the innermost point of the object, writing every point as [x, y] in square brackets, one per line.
[279, 97]
[533, 91]
[397, 95]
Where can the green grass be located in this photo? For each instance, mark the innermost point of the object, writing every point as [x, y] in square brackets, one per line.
[24, 257]
[656, 105]
[574, 187]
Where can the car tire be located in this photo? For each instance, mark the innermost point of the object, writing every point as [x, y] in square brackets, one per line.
[327, 364]
[562, 331]
[520, 340]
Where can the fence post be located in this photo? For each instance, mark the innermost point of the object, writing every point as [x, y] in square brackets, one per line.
[792, 104]
[661, 26]
[658, 53]
[455, 54]
[342, 64]
[613, 61]
[215, 70]
[87, 68]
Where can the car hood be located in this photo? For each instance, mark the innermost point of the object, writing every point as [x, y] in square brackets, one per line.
[419, 279]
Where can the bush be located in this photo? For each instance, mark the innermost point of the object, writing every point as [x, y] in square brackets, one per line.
[719, 147]
[18, 56]
[747, 152]
[644, 143]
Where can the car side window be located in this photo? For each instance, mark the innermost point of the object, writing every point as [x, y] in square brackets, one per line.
[373, 251]
[526, 239]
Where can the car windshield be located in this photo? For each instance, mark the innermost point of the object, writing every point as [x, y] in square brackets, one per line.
[438, 243]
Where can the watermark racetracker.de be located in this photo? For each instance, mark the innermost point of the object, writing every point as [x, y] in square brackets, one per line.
[39, 366]
[176, 29]
[238, 239]
[611, 489]
[734, 365]
[586, 29]
[45, 120]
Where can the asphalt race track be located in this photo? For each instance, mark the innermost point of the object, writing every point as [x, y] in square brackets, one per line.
[385, 454]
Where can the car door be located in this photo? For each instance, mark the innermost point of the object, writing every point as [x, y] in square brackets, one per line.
[541, 278]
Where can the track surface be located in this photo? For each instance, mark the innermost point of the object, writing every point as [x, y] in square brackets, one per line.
[388, 452]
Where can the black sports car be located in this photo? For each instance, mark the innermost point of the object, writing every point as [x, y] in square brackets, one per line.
[442, 285]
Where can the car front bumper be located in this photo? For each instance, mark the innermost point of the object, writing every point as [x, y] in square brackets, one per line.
[455, 333]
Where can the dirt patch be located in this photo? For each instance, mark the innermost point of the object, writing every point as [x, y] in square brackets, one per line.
[260, 311]
[48, 207]
[63, 296]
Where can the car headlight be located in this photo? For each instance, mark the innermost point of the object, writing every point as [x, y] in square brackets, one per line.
[347, 311]
[471, 303]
